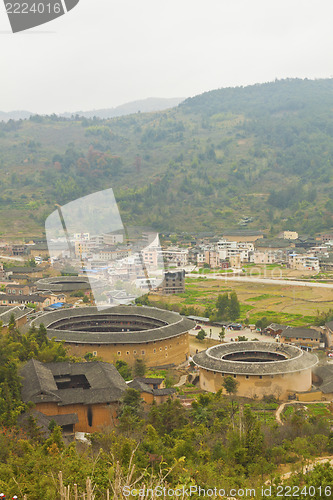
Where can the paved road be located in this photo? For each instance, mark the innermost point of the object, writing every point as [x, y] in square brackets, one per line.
[269, 281]
[11, 258]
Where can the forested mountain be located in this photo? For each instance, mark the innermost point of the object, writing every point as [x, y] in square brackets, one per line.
[263, 151]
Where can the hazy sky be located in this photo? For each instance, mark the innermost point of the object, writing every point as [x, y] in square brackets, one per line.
[107, 52]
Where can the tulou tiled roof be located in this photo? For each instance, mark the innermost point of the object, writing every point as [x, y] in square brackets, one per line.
[325, 373]
[295, 359]
[39, 383]
[168, 324]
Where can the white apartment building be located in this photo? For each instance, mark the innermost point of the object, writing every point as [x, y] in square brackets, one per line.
[113, 238]
[178, 256]
[82, 236]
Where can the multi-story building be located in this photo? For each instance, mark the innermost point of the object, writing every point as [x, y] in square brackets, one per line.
[113, 238]
[289, 235]
[173, 255]
[258, 257]
[3, 274]
[18, 289]
[303, 262]
[173, 282]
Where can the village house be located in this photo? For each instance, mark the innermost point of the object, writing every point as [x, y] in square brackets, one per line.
[20, 314]
[16, 289]
[306, 338]
[243, 235]
[87, 395]
[41, 301]
[152, 390]
[39, 250]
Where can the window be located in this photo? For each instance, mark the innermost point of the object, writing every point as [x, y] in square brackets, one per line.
[134, 352]
[143, 352]
[246, 376]
[127, 352]
[160, 348]
[260, 376]
[119, 353]
[154, 351]
[94, 353]
[90, 416]
[166, 347]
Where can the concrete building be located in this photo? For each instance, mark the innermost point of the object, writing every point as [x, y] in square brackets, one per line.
[290, 235]
[267, 257]
[3, 274]
[173, 282]
[303, 261]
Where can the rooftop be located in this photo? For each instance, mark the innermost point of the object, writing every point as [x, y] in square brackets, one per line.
[71, 383]
[289, 358]
[89, 325]
[18, 311]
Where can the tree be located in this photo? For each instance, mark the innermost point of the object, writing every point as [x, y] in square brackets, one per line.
[222, 305]
[222, 334]
[234, 306]
[123, 369]
[230, 385]
[130, 410]
[139, 368]
[12, 322]
[201, 334]
[262, 323]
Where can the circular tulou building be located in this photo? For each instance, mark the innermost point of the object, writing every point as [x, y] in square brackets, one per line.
[123, 332]
[64, 283]
[260, 368]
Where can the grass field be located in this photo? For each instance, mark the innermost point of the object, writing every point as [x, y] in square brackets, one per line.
[294, 305]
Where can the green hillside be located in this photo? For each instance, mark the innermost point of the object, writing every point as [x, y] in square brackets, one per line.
[263, 151]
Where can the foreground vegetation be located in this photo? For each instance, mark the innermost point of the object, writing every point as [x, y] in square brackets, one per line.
[218, 441]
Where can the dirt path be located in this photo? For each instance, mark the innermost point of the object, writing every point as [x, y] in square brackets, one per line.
[308, 467]
[282, 406]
